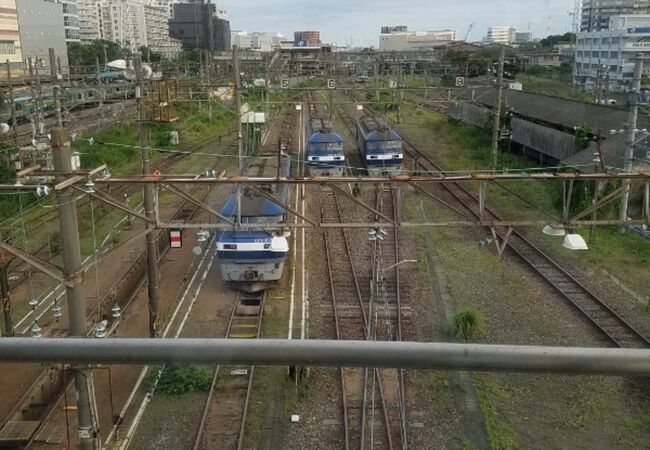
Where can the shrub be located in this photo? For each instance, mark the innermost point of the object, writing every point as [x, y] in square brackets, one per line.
[176, 379]
[467, 323]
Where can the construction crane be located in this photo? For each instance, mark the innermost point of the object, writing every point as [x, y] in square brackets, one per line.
[469, 31]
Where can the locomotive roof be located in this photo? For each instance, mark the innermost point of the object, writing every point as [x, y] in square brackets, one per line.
[252, 204]
[323, 132]
[377, 129]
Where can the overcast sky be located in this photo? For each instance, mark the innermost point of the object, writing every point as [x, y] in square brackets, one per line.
[341, 21]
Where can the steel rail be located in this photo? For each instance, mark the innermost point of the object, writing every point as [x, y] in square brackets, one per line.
[601, 315]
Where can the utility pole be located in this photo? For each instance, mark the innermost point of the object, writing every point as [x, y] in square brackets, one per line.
[32, 91]
[72, 270]
[208, 89]
[149, 207]
[54, 75]
[13, 103]
[6, 300]
[235, 68]
[631, 136]
[496, 120]
[99, 82]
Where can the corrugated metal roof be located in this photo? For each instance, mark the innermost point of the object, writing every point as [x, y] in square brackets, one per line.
[558, 111]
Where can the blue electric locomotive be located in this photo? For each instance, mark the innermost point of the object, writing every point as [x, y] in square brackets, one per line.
[380, 146]
[253, 259]
[325, 152]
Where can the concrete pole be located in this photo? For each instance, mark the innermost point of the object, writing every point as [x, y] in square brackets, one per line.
[99, 82]
[631, 137]
[496, 121]
[57, 88]
[149, 208]
[13, 104]
[237, 72]
[32, 92]
[6, 300]
[71, 249]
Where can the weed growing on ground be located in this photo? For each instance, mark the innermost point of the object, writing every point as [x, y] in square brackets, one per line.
[177, 379]
[467, 323]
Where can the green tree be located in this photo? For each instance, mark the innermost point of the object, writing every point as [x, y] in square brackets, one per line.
[150, 55]
[550, 41]
[86, 55]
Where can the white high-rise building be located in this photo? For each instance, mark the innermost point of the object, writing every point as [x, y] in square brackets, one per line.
[157, 32]
[71, 20]
[501, 35]
[130, 23]
[123, 21]
[90, 25]
[596, 13]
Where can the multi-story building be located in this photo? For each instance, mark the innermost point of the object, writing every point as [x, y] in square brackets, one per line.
[157, 32]
[9, 36]
[394, 29]
[90, 24]
[264, 42]
[523, 37]
[399, 39]
[199, 25]
[596, 13]
[41, 28]
[123, 21]
[501, 35]
[306, 38]
[606, 57]
[71, 20]
[241, 39]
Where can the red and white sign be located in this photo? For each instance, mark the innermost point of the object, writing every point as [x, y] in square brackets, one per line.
[175, 239]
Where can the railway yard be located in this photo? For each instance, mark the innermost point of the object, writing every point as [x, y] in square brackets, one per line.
[348, 212]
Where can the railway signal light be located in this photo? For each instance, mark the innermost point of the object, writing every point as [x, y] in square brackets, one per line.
[175, 239]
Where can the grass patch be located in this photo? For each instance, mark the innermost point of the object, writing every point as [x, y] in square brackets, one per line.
[638, 424]
[501, 434]
[181, 379]
[467, 323]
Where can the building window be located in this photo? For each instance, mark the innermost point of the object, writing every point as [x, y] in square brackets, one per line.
[604, 55]
[615, 40]
[595, 54]
[596, 41]
[606, 41]
[7, 48]
[613, 55]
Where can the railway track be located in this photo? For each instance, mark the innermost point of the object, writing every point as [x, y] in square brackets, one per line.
[365, 393]
[37, 414]
[223, 422]
[616, 329]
